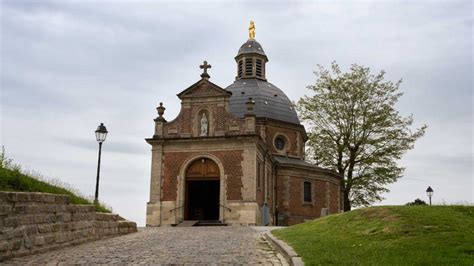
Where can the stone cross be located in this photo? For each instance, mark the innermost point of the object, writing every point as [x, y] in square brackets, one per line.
[205, 66]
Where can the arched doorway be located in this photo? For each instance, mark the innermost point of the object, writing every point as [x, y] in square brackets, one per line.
[202, 191]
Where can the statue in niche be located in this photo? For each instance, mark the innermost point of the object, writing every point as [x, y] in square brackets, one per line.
[204, 125]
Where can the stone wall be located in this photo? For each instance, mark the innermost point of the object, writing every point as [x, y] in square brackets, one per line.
[33, 223]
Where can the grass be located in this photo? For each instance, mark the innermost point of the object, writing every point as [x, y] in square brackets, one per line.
[12, 179]
[387, 235]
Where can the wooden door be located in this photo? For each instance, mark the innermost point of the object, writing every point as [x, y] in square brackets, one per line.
[202, 190]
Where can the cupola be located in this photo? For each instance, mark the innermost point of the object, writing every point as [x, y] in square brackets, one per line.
[251, 82]
[251, 58]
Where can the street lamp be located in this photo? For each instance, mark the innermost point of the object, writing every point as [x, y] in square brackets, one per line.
[429, 192]
[100, 135]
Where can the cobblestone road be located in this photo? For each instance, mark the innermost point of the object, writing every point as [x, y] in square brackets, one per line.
[168, 245]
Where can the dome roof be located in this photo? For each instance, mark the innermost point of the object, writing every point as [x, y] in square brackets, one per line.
[251, 46]
[270, 101]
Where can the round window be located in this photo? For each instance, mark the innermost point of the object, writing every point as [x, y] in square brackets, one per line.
[279, 143]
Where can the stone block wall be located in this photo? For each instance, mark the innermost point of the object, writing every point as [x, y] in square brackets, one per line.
[33, 223]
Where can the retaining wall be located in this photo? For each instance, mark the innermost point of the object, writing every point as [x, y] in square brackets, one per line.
[33, 223]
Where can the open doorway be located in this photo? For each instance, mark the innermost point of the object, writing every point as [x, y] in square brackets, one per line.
[202, 191]
[202, 200]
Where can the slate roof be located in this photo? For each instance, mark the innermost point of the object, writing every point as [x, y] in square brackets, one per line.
[283, 160]
[270, 101]
[251, 46]
[294, 161]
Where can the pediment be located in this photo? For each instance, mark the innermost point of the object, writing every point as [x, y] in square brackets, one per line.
[204, 88]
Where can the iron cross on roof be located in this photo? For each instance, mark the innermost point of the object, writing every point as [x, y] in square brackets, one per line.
[205, 66]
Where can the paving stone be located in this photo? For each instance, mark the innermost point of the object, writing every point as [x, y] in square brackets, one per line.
[167, 245]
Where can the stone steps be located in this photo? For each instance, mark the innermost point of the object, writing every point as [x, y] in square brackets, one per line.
[187, 224]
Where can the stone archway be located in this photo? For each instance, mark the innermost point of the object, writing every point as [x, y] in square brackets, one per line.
[202, 190]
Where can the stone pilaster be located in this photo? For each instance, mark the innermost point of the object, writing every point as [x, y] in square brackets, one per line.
[155, 179]
[249, 124]
[159, 128]
[153, 211]
[250, 117]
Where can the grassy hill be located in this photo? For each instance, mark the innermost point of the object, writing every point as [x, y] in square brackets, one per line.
[14, 180]
[393, 235]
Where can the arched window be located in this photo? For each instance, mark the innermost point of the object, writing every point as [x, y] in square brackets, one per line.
[307, 197]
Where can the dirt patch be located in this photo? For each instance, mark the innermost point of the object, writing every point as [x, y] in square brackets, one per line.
[383, 214]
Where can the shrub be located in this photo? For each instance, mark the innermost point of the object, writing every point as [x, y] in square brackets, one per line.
[416, 202]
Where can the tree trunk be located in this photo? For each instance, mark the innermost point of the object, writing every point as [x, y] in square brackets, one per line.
[350, 171]
[347, 202]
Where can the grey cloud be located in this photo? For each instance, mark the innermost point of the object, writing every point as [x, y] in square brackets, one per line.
[115, 146]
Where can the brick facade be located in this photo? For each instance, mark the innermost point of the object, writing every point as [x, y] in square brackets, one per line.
[173, 162]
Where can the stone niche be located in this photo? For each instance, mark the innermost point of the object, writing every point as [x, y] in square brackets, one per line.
[32, 223]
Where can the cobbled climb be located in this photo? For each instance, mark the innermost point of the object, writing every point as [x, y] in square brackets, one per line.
[167, 245]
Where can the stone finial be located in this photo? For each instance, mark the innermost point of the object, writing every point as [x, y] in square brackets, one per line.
[161, 110]
[250, 117]
[250, 104]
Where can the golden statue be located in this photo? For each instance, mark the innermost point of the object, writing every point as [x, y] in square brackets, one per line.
[252, 30]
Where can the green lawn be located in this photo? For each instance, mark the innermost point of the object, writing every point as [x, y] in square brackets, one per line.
[14, 180]
[387, 235]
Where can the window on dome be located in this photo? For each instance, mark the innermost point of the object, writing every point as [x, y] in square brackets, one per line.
[258, 69]
[240, 68]
[248, 66]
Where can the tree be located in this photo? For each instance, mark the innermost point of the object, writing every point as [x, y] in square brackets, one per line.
[355, 129]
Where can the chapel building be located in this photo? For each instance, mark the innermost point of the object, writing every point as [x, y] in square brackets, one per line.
[235, 155]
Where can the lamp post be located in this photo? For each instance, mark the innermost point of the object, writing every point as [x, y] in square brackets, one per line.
[100, 135]
[429, 192]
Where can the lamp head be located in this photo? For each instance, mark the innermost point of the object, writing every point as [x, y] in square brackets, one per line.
[429, 192]
[101, 133]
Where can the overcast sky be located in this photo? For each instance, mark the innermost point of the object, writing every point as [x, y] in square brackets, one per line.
[67, 66]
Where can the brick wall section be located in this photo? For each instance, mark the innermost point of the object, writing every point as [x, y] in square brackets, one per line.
[282, 207]
[221, 119]
[300, 211]
[185, 121]
[33, 223]
[232, 161]
[172, 162]
[290, 133]
[291, 207]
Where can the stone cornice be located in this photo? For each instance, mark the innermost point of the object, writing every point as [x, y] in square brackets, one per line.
[156, 140]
